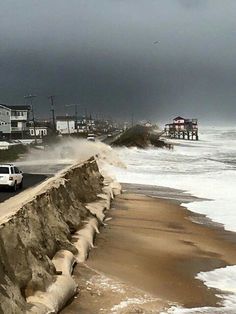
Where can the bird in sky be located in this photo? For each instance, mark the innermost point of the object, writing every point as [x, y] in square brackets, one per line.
[156, 42]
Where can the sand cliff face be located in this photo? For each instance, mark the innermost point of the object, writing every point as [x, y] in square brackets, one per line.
[39, 229]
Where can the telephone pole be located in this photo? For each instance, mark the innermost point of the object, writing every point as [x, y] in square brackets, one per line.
[76, 114]
[52, 97]
[30, 98]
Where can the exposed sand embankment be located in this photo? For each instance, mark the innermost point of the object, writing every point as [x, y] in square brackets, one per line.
[44, 232]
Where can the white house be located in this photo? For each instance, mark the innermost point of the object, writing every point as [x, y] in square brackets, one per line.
[19, 119]
[182, 125]
[40, 131]
[179, 120]
[5, 121]
[65, 124]
[179, 123]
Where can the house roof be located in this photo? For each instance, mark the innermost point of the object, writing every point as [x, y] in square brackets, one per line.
[179, 118]
[4, 106]
[65, 118]
[18, 107]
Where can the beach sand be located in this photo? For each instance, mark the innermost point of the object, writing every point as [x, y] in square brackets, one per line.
[148, 255]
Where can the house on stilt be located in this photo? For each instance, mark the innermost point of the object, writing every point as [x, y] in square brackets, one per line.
[182, 128]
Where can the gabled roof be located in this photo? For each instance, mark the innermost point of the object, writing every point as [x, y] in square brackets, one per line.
[4, 106]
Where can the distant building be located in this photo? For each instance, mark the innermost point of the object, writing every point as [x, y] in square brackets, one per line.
[14, 121]
[40, 128]
[19, 120]
[5, 121]
[148, 124]
[86, 124]
[65, 124]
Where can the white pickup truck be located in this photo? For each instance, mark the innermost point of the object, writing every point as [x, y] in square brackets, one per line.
[10, 176]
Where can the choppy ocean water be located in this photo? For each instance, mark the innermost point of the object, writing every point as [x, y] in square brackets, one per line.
[206, 169]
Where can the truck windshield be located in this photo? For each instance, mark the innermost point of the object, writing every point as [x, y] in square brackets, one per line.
[4, 170]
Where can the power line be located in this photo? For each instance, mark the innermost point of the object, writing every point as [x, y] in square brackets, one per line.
[30, 97]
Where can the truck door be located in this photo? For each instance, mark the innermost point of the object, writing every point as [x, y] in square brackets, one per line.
[17, 175]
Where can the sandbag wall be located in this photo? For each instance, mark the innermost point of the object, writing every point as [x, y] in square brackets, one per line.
[40, 228]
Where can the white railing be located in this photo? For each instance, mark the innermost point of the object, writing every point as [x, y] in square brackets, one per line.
[19, 118]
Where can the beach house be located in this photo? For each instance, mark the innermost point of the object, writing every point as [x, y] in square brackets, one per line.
[182, 128]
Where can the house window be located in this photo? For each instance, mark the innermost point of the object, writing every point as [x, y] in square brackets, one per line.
[14, 124]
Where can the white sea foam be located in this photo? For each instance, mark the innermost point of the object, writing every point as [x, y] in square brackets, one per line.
[223, 279]
[206, 169]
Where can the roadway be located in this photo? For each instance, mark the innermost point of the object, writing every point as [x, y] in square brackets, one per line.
[36, 173]
[30, 180]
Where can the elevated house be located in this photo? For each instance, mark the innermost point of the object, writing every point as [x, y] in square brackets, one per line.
[182, 128]
[20, 115]
[14, 121]
[5, 122]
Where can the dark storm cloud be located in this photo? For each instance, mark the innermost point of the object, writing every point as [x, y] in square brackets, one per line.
[101, 54]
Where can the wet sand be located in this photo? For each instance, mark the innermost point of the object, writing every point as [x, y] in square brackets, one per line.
[152, 250]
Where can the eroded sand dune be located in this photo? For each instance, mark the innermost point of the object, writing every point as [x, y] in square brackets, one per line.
[45, 231]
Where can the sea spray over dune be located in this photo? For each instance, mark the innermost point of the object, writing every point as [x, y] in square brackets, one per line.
[68, 151]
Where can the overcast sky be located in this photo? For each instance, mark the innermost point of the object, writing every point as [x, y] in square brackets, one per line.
[100, 54]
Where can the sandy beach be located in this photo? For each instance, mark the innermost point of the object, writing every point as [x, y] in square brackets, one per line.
[147, 256]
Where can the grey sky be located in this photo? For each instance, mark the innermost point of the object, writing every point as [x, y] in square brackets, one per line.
[100, 53]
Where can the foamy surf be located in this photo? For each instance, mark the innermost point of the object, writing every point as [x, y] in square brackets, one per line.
[223, 279]
[120, 297]
[206, 169]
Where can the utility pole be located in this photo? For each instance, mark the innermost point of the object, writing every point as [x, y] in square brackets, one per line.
[52, 97]
[68, 124]
[30, 97]
[76, 114]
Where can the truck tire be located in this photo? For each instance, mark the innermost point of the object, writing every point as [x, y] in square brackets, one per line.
[21, 184]
[14, 188]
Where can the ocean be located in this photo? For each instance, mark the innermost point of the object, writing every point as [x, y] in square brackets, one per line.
[205, 169]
